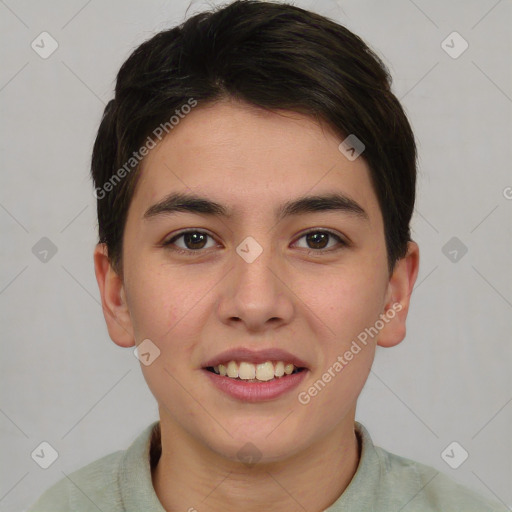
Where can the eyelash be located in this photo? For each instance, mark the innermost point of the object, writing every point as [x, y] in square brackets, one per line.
[190, 252]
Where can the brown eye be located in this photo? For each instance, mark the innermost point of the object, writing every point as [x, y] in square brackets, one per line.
[319, 239]
[194, 241]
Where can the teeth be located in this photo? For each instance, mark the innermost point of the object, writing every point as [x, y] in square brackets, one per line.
[232, 370]
[247, 371]
[254, 372]
[264, 371]
[279, 369]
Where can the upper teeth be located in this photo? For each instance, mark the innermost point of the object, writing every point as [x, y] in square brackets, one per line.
[247, 371]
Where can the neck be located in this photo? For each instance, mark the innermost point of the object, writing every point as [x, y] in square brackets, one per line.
[189, 475]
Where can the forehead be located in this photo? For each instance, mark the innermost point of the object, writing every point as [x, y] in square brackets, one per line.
[246, 158]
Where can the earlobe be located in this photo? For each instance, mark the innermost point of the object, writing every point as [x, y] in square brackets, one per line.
[399, 292]
[113, 299]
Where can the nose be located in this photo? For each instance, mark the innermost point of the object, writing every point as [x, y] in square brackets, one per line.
[256, 293]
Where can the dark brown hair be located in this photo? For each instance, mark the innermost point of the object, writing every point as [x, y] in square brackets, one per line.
[273, 56]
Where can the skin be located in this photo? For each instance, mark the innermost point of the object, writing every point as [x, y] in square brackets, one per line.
[312, 304]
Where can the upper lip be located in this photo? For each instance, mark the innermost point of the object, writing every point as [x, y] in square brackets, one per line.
[255, 357]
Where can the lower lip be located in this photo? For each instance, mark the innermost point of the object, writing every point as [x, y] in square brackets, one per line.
[256, 391]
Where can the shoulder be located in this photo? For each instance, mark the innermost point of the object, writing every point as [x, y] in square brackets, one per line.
[109, 483]
[418, 487]
[92, 487]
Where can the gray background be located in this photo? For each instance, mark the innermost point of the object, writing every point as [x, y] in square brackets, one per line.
[66, 383]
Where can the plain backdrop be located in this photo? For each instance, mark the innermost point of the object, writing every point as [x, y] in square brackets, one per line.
[66, 383]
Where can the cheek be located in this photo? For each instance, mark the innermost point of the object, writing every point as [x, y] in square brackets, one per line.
[349, 302]
[164, 309]
[333, 395]
[350, 305]
[168, 307]
[156, 301]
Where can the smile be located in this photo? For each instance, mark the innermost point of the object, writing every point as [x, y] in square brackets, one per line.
[246, 389]
[250, 372]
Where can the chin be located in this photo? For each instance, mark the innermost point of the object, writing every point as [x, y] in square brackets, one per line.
[259, 440]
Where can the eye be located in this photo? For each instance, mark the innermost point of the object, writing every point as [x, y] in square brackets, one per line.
[317, 240]
[194, 241]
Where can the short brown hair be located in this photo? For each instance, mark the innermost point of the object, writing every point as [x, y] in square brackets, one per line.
[274, 56]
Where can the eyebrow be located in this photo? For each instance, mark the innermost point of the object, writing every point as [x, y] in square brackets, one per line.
[186, 202]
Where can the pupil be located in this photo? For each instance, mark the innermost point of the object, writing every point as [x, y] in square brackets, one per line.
[313, 236]
[189, 239]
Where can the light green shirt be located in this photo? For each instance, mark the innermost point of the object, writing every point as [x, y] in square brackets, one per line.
[383, 482]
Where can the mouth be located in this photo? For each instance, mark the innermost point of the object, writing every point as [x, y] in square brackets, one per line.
[248, 382]
[255, 375]
[250, 372]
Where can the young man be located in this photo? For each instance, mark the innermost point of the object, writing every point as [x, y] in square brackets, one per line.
[255, 179]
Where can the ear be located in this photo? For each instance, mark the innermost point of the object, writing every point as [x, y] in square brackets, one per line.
[113, 299]
[398, 297]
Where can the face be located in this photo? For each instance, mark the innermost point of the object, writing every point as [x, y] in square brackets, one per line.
[307, 282]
